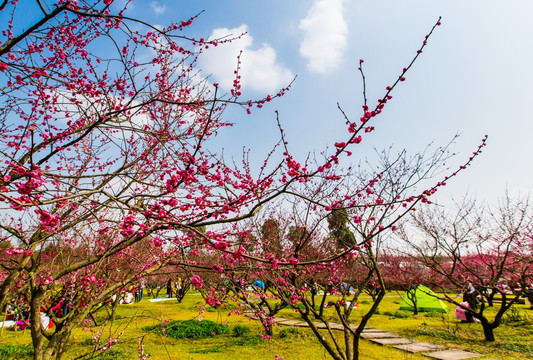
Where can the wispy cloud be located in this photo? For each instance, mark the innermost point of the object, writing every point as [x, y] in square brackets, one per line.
[158, 9]
[260, 69]
[325, 35]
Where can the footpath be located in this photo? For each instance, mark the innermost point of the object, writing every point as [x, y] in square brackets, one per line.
[390, 339]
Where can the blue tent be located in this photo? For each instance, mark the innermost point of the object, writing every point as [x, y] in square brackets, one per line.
[259, 284]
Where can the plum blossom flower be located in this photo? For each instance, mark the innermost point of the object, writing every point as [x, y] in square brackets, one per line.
[293, 261]
[197, 282]
[219, 269]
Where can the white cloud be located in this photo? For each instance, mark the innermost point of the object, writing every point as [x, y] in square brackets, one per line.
[157, 8]
[259, 71]
[325, 35]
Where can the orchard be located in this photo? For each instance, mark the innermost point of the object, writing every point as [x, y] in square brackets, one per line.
[109, 179]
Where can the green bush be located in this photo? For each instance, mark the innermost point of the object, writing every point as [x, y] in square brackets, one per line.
[249, 341]
[15, 352]
[240, 330]
[287, 332]
[190, 329]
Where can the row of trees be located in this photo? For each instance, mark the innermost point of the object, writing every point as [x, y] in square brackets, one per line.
[108, 177]
[494, 253]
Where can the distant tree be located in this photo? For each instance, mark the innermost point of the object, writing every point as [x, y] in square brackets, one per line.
[271, 235]
[338, 226]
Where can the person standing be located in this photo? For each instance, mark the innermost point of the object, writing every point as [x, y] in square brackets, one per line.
[469, 299]
[169, 288]
[470, 295]
[140, 290]
[178, 287]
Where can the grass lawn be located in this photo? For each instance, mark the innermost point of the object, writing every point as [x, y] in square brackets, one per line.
[514, 338]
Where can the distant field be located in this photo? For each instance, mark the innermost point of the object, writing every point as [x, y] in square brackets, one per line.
[514, 339]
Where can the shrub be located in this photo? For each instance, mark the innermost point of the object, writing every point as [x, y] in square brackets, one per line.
[288, 332]
[240, 330]
[190, 329]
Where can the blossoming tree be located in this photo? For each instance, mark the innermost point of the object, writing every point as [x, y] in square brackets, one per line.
[103, 148]
[489, 249]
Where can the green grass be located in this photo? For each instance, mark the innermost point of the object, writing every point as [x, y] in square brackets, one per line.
[513, 338]
[15, 352]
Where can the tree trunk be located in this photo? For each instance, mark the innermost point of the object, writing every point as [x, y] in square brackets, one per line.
[347, 341]
[411, 295]
[35, 324]
[488, 330]
[355, 353]
[114, 307]
[322, 302]
[321, 338]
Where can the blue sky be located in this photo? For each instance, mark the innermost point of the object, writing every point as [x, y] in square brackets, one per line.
[474, 78]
